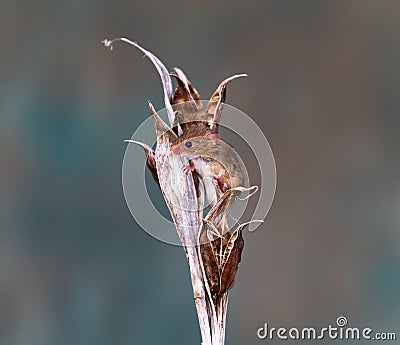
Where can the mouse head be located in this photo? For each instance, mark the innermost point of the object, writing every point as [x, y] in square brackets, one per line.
[196, 145]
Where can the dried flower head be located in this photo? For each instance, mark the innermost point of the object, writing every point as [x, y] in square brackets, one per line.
[194, 167]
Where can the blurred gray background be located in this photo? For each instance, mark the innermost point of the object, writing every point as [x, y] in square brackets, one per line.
[324, 81]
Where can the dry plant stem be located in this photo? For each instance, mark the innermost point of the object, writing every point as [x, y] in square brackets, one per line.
[199, 295]
[182, 204]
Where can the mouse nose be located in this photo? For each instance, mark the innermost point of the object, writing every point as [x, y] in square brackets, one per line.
[176, 149]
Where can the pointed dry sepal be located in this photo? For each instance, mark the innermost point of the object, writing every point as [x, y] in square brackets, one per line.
[161, 69]
[182, 92]
[218, 211]
[209, 259]
[231, 257]
[193, 93]
[184, 104]
[150, 158]
[216, 103]
[147, 149]
[163, 132]
[187, 82]
[182, 77]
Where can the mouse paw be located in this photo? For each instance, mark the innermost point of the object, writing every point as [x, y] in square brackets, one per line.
[188, 169]
[219, 182]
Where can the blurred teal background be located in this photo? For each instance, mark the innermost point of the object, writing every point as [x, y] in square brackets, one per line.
[324, 82]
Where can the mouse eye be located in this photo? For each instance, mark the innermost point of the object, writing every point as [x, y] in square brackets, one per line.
[188, 144]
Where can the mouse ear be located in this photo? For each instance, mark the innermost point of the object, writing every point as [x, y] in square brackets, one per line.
[216, 103]
[161, 69]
